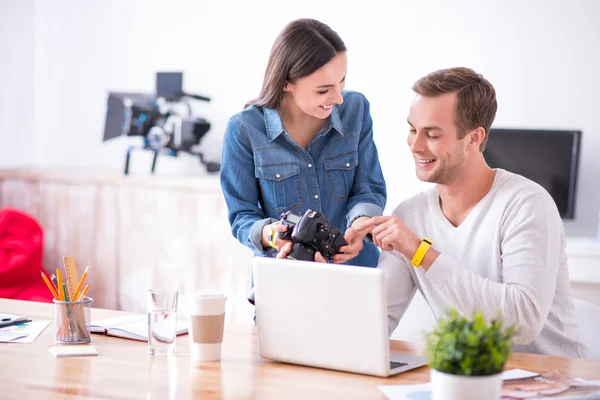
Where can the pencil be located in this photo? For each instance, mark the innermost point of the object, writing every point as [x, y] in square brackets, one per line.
[76, 295]
[59, 284]
[50, 286]
[85, 290]
[64, 287]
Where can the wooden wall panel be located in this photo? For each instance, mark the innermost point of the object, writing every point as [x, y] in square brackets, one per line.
[136, 234]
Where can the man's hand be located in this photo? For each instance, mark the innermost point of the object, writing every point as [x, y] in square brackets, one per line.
[287, 247]
[389, 233]
[277, 227]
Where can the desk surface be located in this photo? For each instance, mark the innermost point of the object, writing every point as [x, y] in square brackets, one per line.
[124, 370]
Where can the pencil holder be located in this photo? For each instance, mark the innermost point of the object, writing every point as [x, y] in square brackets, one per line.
[72, 321]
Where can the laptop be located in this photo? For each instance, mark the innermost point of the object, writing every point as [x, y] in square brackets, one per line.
[325, 315]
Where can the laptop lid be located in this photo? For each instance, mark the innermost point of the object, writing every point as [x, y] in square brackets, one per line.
[322, 315]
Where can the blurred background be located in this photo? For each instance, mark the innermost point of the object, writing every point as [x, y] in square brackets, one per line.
[59, 60]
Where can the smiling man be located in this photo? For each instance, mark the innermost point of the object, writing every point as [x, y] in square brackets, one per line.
[481, 238]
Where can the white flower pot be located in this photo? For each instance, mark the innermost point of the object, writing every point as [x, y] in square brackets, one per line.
[457, 387]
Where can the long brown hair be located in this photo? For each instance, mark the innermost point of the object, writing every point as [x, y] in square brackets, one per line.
[476, 105]
[302, 47]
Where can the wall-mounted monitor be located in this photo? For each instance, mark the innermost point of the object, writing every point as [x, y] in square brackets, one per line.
[548, 157]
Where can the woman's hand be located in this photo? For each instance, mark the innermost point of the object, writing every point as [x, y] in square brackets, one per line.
[285, 250]
[276, 227]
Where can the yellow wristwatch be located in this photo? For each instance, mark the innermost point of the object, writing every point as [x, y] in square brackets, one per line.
[271, 238]
[421, 251]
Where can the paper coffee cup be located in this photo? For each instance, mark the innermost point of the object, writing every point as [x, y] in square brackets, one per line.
[207, 321]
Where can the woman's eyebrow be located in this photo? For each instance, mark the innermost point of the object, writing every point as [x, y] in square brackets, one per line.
[326, 86]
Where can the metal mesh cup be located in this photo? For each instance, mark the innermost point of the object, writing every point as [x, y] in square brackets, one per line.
[72, 321]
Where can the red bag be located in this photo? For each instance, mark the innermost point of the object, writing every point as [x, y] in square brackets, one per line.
[21, 248]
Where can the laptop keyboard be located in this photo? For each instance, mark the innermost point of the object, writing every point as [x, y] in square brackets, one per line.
[395, 364]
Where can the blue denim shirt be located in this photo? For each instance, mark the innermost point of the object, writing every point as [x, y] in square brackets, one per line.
[264, 173]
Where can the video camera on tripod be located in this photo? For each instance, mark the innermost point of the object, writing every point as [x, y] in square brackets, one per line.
[159, 120]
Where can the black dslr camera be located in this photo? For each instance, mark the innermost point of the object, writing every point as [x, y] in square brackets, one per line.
[310, 232]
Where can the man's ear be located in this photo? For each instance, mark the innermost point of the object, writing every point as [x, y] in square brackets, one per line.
[476, 137]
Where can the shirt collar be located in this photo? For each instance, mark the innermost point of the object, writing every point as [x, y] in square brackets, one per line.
[275, 126]
[336, 121]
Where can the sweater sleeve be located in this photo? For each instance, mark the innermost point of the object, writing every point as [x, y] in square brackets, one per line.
[400, 287]
[530, 247]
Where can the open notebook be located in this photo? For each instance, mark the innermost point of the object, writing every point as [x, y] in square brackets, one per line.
[130, 327]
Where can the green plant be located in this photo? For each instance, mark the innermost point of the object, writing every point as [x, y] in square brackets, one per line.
[469, 347]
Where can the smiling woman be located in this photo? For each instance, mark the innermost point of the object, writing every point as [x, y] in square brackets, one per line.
[304, 143]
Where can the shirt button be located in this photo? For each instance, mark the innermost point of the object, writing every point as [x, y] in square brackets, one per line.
[277, 176]
[347, 165]
[316, 196]
[309, 165]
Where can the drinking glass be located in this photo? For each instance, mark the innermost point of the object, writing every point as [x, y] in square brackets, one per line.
[162, 321]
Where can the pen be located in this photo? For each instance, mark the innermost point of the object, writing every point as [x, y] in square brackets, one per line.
[13, 318]
[15, 322]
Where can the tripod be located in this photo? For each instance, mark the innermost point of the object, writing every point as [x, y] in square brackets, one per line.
[210, 166]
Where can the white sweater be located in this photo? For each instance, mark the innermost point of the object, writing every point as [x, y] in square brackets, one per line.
[508, 254]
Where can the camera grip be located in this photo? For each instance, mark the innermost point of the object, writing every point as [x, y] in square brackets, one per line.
[287, 235]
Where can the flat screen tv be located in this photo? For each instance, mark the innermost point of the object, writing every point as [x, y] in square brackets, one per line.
[548, 157]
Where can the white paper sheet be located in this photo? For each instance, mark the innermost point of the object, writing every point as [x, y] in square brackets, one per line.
[423, 391]
[21, 333]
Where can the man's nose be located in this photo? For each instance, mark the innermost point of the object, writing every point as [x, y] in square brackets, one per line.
[418, 143]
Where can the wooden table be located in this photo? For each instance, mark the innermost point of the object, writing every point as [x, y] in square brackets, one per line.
[124, 370]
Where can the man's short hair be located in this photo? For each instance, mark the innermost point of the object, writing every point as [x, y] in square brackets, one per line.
[476, 105]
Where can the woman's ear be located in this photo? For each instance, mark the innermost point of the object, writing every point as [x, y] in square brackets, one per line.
[286, 86]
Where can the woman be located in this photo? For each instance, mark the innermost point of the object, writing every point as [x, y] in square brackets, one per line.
[303, 144]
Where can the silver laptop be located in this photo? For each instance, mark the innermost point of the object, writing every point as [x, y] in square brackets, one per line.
[325, 315]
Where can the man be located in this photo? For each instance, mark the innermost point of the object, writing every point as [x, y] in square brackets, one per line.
[496, 240]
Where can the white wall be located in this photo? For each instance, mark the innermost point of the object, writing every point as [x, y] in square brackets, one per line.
[16, 83]
[542, 56]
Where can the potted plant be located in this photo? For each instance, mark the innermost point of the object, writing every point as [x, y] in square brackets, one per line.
[467, 356]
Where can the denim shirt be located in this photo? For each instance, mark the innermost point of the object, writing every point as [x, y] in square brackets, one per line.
[264, 173]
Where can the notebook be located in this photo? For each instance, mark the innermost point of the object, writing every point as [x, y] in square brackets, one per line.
[130, 327]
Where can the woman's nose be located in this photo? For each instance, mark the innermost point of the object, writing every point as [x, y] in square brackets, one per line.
[337, 96]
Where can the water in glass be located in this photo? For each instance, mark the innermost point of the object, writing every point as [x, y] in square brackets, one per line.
[162, 328]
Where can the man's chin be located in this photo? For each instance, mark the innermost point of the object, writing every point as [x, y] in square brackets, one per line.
[425, 176]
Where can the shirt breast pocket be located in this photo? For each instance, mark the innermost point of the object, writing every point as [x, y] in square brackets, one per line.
[340, 174]
[280, 186]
